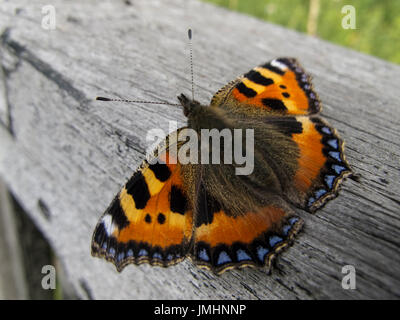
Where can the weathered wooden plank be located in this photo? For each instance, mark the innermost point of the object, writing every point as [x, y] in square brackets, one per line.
[68, 155]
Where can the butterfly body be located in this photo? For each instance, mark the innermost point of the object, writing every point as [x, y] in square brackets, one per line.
[221, 180]
[204, 210]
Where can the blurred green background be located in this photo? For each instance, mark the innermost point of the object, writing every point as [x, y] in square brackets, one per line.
[377, 21]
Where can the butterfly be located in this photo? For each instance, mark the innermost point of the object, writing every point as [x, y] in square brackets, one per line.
[168, 210]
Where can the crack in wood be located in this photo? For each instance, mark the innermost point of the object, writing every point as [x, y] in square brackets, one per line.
[44, 209]
[8, 122]
[5, 75]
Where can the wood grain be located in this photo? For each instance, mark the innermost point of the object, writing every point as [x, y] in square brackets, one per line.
[65, 156]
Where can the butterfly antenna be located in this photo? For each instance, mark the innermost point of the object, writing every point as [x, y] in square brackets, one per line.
[137, 101]
[160, 102]
[191, 59]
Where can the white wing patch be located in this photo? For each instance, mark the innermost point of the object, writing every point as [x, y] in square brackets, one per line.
[108, 224]
[279, 65]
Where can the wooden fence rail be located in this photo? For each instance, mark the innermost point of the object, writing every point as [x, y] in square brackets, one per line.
[64, 156]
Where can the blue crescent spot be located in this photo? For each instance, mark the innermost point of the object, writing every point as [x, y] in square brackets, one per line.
[329, 180]
[274, 240]
[242, 255]
[104, 246]
[333, 143]
[129, 253]
[326, 130]
[335, 155]
[311, 201]
[120, 256]
[338, 168]
[111, 251]
[319, 193]
[223, 258]
[203, 255]
[169, 257]
[293, 220]
[142, 252]
[157, 255]
[261, 252]
[286, 229]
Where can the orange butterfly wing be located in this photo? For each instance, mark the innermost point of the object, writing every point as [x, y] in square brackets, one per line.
[282, 88]
[150, 220]
[224, 241]
[321, 163]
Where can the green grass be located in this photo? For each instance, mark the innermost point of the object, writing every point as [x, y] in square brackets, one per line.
[377, 21]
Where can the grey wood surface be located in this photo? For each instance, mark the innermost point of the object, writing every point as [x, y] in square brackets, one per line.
[65, 156]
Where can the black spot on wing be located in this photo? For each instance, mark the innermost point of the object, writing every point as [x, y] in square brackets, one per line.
[206, 207]
[147, 218]
[118, 214]
[161, 171]
[178, 200]
[137, 188]
[248, 92]
[256, 77]
[287, 125]
[274, 104]
[161, 218]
